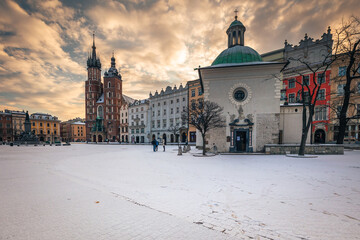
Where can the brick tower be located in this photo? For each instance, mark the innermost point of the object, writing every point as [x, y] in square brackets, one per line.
[93, 90]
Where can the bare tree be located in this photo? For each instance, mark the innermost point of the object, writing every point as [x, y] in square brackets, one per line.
[309, 95]
[348, 50]
[204, 116]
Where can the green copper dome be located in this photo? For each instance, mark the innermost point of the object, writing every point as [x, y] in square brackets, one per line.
[236, 23]
[237, 54]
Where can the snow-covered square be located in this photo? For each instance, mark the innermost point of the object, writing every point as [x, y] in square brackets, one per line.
[90, 191]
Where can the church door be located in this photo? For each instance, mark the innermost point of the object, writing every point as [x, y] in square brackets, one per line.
[240, 140]
[99, 138]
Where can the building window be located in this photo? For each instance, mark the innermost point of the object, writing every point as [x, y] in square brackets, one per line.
[177, 110]
[158, 104]
[342, 71]
[321, 94]
[292, 83]
[177, 100]
[340, 90]
[306, 80]
[320, 78]
[153, 124]
[109, 84]
[132, 131]
[55, 132]
[158, 112]
[137, 130]
[34, 124]
[183, 99]
[142, 130]
[164, 103]
[158, 123]
[40, 124]
[193, 93]
[171, 101]
[142, 115]
[171, 122]
[48, 131]
[199, 91]
[164, 123]
[164, 111]
[291, 97]
[306, 97]
[320, 113]
[171, 110]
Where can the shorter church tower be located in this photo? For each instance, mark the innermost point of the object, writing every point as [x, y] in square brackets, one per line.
[112, 101]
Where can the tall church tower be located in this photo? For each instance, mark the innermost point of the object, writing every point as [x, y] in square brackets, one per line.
[93, 89]
[112, 101]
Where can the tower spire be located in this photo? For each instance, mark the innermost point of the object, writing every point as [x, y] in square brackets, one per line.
[236, 12]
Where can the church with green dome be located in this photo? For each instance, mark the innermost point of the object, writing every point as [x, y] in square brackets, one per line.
[248, 89]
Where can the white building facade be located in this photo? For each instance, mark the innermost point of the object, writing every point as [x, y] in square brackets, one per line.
[166, 108]
[139, 127]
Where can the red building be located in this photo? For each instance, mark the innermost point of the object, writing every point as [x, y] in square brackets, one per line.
[6, 129]
[102, 101]
[293, 93]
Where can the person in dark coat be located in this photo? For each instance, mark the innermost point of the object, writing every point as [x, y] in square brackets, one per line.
[153, 142]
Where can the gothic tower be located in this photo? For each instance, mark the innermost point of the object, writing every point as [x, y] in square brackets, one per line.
[112, 101]
[93, 89]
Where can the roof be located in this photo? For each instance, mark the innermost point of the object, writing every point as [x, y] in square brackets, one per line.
[236, 23]
[101, 99]
[127, 99]
[79, 123]
[237, 54]
[226, 65]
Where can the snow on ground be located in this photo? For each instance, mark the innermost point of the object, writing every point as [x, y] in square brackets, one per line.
[53, 191]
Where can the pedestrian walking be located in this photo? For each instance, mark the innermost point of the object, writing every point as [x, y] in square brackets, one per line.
[163, 143]
[157, 145]
[153, 142]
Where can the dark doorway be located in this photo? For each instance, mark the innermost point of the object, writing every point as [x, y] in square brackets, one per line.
[99, 138]
[94, 138]
[122, 138]
[137, 139]
[164, 137]
[126, 138]
[41, 139]
[183, 137]
[319, 136]
[172, 138]
[142, 139]
[240, 141]
[192, 136]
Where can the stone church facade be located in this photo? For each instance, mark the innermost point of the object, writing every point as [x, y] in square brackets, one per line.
[249, 91]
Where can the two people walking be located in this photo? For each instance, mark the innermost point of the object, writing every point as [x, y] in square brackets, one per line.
[155, 144]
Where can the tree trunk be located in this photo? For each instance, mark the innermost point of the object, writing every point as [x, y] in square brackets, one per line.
[305, 129]
[203, 138]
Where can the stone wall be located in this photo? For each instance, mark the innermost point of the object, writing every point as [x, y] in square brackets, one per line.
[267, 130]
[331, 149]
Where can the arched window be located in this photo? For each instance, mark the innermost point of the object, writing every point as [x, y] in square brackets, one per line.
[100, 112]
[239, 37]
[234, 38]
[109, 84]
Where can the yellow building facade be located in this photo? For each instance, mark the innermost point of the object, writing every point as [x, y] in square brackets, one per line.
[338, 81]
[195, 95]
[78, 132]
[46, 127]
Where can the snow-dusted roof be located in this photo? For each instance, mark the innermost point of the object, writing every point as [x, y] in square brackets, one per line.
[127, 99]
[79, 123]
[101, 99]
[224, 65]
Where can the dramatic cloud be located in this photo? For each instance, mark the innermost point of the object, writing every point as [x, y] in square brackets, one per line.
[44, 44]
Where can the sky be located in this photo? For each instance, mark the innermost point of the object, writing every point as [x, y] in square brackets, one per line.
[44, 45]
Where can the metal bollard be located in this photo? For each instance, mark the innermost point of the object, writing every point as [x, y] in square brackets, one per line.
[179, 151]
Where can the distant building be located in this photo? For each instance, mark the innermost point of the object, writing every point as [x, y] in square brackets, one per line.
[18, 120]
[195, 96]
[46, 127]
[165, 109]
[124, 124]
[6, 128]
[73, 130]
[139, 126]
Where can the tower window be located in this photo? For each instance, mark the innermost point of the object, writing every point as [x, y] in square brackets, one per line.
[109, 84]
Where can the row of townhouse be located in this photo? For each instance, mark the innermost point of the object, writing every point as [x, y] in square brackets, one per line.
[331, 80]
[12, 125]
[159, 116]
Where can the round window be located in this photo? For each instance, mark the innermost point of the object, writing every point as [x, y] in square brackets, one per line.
[240, 94]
